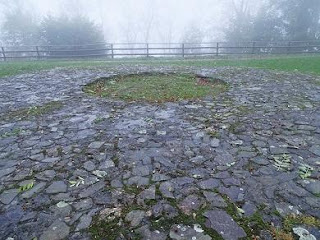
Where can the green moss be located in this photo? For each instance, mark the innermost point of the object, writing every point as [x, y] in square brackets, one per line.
[243, 110]
[133, 189]
[100, 228]
[234, 127]
[275, 212]
[115, 159]
[294, 220]
[164, 223]
[213, 133]
[15, 132]
[33, 111]
[252, 225]
[99, 120]
[155, 87]
[60, 151]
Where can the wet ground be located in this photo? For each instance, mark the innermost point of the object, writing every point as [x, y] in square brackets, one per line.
[185, 170]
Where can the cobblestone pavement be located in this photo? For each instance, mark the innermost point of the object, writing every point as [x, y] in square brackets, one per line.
[167, 171]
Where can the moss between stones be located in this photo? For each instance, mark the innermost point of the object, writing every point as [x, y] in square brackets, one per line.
[165, 223]
[101, 229]
[251, 225]
[33, 111]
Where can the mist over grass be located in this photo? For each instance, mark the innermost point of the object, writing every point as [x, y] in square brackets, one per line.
[303, 64]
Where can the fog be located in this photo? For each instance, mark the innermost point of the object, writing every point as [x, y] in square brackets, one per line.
[137, 20]
[168, 21]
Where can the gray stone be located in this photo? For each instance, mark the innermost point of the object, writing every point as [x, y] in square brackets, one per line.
[141, 140]
[303, 234]
[161, 133]
[231, 182]
[37, 157]
[25, 182]
[102, 198]
[7, 171]
[215, 199]
[249, 208]
[285, 209]
[51, 160]
[23, 174]
[89, 166]
[223, 224]
[265, 235]
[141, 171]
[183, 180]
[84, 222]
[95, 145]
[209, 184]
[237, 142]
[35, 189]
[215, 143]
[236, 194]
[56, 231]
[314, 187]
[139, 181]
[146, 233]
[278, 150]
[61, 210]
[107, 164]
[198, 160]
[135, 217]
[184, 232]
[313, 201]
[167, 189]
[259, 144]
[166, 210]
[224, 159]
[246, 154]
[7, 196]
[190, 203]
[116, 183]
[157, 177]
[260, 160]
[83, 204]
[315, 149]
[46, 175]
[149, 194]
[57, 187]
[91, 189]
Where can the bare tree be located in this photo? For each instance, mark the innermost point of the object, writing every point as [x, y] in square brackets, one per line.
[73, 7]
[147, 21]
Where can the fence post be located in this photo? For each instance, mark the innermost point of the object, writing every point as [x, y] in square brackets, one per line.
[217, 49]
[147, 50]
[112, 53]
[38, 55]
[182, 47]
[4, 54]
[253, 47]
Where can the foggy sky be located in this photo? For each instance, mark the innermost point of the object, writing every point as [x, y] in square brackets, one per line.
[142, 20]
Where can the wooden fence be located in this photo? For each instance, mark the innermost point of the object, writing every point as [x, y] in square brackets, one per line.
[118, 50]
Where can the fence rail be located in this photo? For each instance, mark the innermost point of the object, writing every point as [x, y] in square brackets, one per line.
[118, 50]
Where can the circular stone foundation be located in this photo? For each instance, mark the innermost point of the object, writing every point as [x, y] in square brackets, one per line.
[155, 87]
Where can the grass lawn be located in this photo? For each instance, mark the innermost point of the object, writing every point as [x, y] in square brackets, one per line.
[304, 64]
[156, 87]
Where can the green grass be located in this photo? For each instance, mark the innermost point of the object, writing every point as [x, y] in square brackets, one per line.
[301, 63]
[33, 111]
[155, 87]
